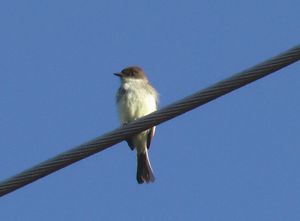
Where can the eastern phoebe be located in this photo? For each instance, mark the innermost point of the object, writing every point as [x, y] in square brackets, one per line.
[137, 98]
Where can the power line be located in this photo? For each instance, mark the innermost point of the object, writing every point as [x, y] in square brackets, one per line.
[173, 110]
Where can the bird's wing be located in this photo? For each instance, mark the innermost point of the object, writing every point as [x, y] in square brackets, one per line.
[150, 136]
[121, 91]
[130, 143]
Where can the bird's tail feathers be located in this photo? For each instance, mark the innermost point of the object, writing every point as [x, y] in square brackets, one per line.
[144, 170]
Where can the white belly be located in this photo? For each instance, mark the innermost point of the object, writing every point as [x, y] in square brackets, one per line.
[136, 103]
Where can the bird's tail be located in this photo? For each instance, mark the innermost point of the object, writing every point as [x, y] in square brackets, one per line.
[144, 170]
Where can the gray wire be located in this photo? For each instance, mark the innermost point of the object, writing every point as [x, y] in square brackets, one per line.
[173, 110]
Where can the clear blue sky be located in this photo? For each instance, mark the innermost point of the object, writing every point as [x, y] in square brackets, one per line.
[236, 158]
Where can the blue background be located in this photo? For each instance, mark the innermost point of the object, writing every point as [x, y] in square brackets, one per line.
[236, 158]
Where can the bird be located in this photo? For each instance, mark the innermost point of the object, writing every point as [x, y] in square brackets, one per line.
[135, 98]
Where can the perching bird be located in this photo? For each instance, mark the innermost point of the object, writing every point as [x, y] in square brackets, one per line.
[136, 98]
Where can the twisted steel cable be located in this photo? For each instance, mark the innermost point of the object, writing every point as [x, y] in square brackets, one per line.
[173, 110]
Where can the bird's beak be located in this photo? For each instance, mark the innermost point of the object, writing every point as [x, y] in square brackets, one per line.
[118, 74]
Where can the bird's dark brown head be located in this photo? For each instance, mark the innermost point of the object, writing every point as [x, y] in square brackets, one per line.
[133, 72]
